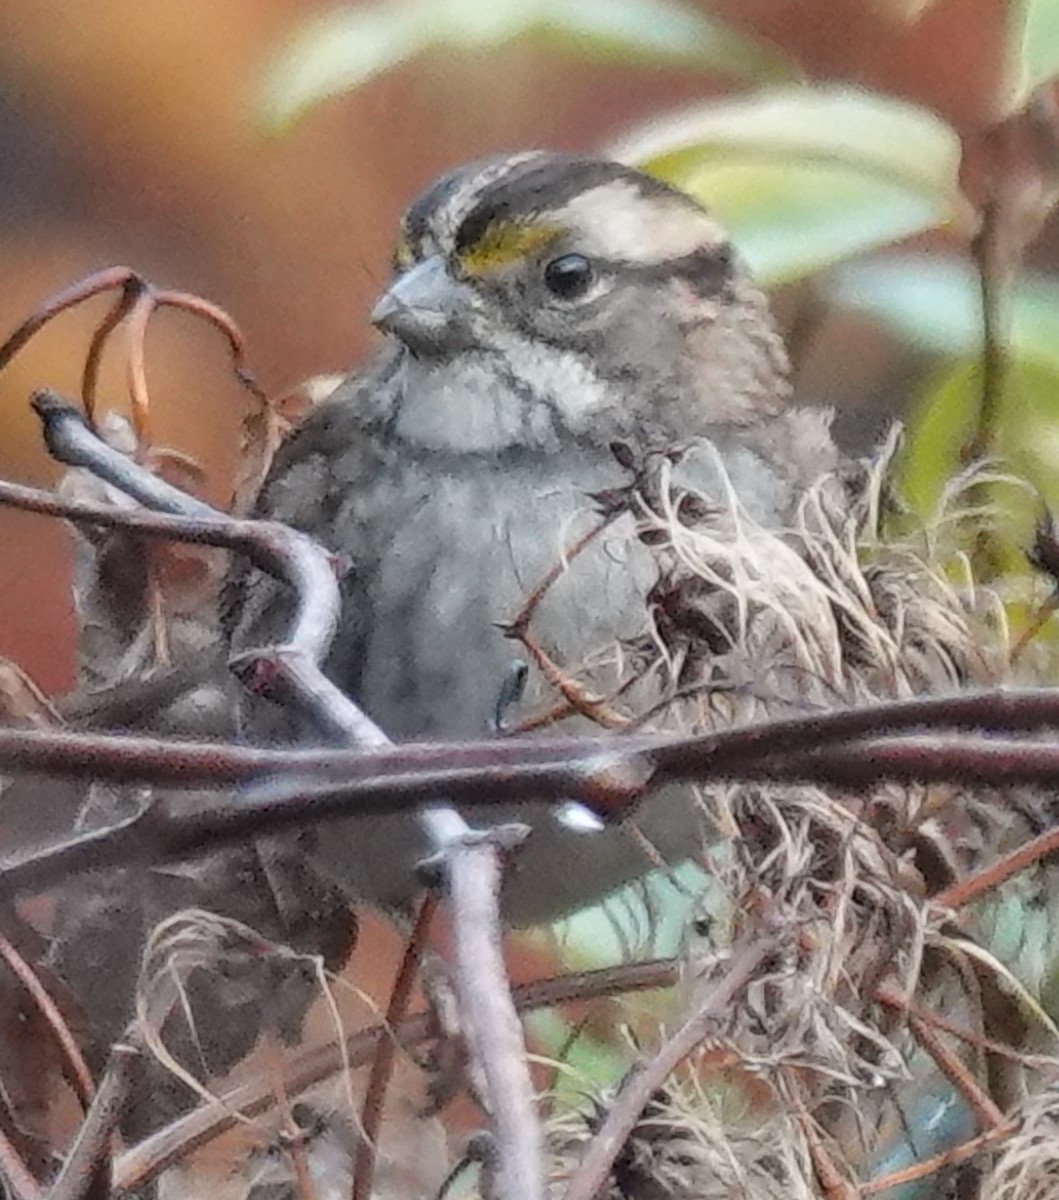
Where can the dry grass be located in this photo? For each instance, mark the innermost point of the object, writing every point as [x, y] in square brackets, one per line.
[839, 1064]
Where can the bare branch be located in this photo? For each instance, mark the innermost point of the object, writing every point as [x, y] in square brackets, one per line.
[931, 1166]
[490, 1020]
[16, 1174]
[281, 551]
[386, 1053]
[643, 1081]
[608, 774]
[90, 1153]
[79, 1075]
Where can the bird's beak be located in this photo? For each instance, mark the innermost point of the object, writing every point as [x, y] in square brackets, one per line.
[423, 306]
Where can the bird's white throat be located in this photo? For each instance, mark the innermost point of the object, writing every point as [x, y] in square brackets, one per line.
[516, 394]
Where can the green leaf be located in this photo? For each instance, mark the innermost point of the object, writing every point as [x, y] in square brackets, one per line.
[805, 177]
[942, 423]
[1034, 48]
[933, 302]
[652, 32]
[347, 48]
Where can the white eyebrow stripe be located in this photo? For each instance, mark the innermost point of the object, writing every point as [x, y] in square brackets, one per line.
[618, 222]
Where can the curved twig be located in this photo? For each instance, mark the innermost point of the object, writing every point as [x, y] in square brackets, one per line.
[471, 860]
[79, 1075]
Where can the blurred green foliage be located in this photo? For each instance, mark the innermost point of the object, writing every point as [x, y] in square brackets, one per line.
[1033, 56]
[348, 47]
[808, 176]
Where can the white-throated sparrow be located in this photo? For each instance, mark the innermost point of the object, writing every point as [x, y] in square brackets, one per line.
[544, 307]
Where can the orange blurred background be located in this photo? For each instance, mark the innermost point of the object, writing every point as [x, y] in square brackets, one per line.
[129, 134]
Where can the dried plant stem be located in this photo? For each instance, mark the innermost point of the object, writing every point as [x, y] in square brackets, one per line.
[893, 999]
[994, 275]
[78, 1073]
[94, 358]
[382, 1064]
[996, 873]
[989, 1116]
[591, 1176]
[834, 1186]
[90, 1153]
[143, 1162]
[576, 697]
[15, 1173]
[930, 1166]
[133, 289]
[1040, 618]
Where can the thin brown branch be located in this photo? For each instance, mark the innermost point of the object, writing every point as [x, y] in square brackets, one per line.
[591, 1176]
[998, 872]
[892, 998]
[293, 1140]
[949, 1064]
[385, 1054]
[994, 277]
[575, 696]
[834, 1185]
[1044, 613]
[931, 1166]
[563, 709]
[131, 285]
[90, 1153]
[84, 289]
[214, 315]
[522, 619]
[136, 367]
[103, 332]
[78, 1073]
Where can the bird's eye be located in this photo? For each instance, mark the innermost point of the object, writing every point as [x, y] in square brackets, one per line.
[568, 276]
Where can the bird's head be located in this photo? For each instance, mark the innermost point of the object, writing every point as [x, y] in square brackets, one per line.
[587, 282]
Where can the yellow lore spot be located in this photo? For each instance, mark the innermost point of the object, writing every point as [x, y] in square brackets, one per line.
[504, 243]
[402, 252]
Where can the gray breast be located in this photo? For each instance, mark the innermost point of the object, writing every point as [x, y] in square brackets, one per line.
[466, 543]
[445, 545]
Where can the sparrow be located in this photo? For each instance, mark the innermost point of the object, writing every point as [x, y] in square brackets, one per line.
[551, 320]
